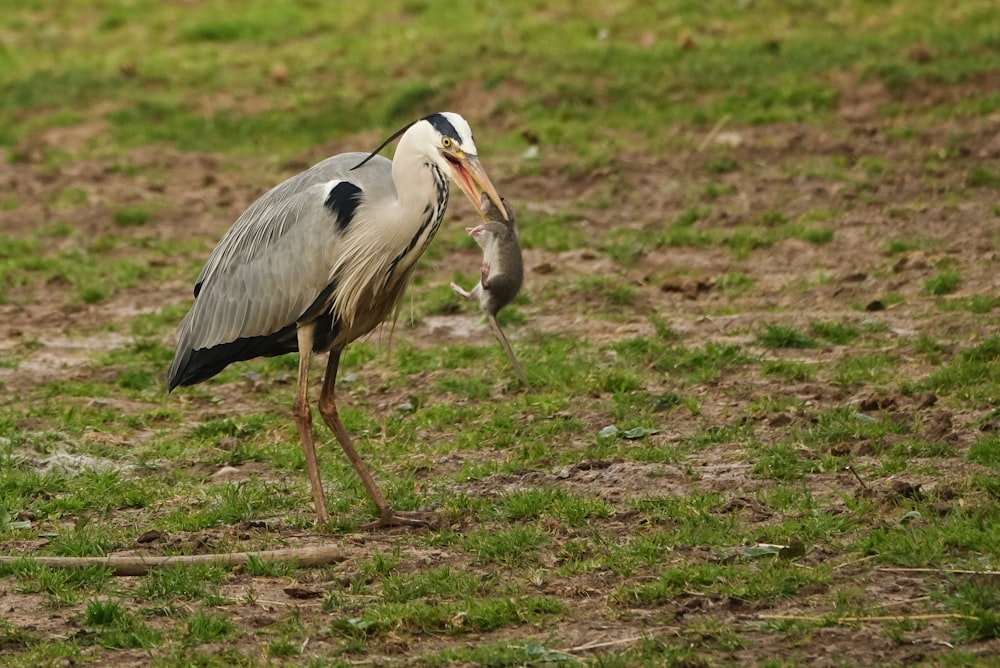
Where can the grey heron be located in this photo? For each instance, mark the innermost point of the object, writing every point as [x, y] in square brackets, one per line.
[321, 260]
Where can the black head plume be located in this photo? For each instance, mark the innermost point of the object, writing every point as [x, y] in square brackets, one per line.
[388, 141]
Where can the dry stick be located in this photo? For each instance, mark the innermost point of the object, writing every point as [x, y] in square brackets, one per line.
[855, 562]
[289, 604]
[951, 571]
[598, 645]
[875, 618]
[855, 474]
[122, 565]
[712, 133]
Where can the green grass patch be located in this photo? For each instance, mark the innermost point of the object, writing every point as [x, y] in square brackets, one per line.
[986, 451]
[131, 217]
[699, 365]
[669, 444]
[558, 232]
[973, 304]
[512, 547]
[788, 370]
[205, 626]
[971, 374]
[184, 583]
[944, 282]
[784, 336]
[841, 333]
[981, 177]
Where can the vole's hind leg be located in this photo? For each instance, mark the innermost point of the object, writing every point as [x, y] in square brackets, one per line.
[459, 291]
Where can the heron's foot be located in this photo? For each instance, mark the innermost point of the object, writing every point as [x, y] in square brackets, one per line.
[404, 518]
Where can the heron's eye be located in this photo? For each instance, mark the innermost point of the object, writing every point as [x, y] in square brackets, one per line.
[446, 142]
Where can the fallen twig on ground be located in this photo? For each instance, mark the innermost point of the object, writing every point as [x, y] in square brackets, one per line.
[140, 565]
[873, 618]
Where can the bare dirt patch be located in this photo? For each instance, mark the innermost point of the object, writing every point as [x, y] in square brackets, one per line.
[792, 169]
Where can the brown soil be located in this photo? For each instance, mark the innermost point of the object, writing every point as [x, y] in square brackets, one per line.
[795, 282]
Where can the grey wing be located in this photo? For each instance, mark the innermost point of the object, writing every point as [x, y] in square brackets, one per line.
[274, 262]
[263, 223]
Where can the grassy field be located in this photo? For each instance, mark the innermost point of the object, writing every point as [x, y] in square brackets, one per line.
[762, 243]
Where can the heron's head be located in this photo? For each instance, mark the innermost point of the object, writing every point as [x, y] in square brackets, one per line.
[452, 148]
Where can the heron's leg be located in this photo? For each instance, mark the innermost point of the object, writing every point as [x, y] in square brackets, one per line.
[303, 420]
[328, 409]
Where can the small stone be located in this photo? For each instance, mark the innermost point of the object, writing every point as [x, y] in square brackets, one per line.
[280, 74]
[919, 53]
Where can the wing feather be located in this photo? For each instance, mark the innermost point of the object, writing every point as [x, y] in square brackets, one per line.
[244, 296]
[276, 259]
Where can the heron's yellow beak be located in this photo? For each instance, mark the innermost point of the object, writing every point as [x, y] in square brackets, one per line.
[471, 178]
